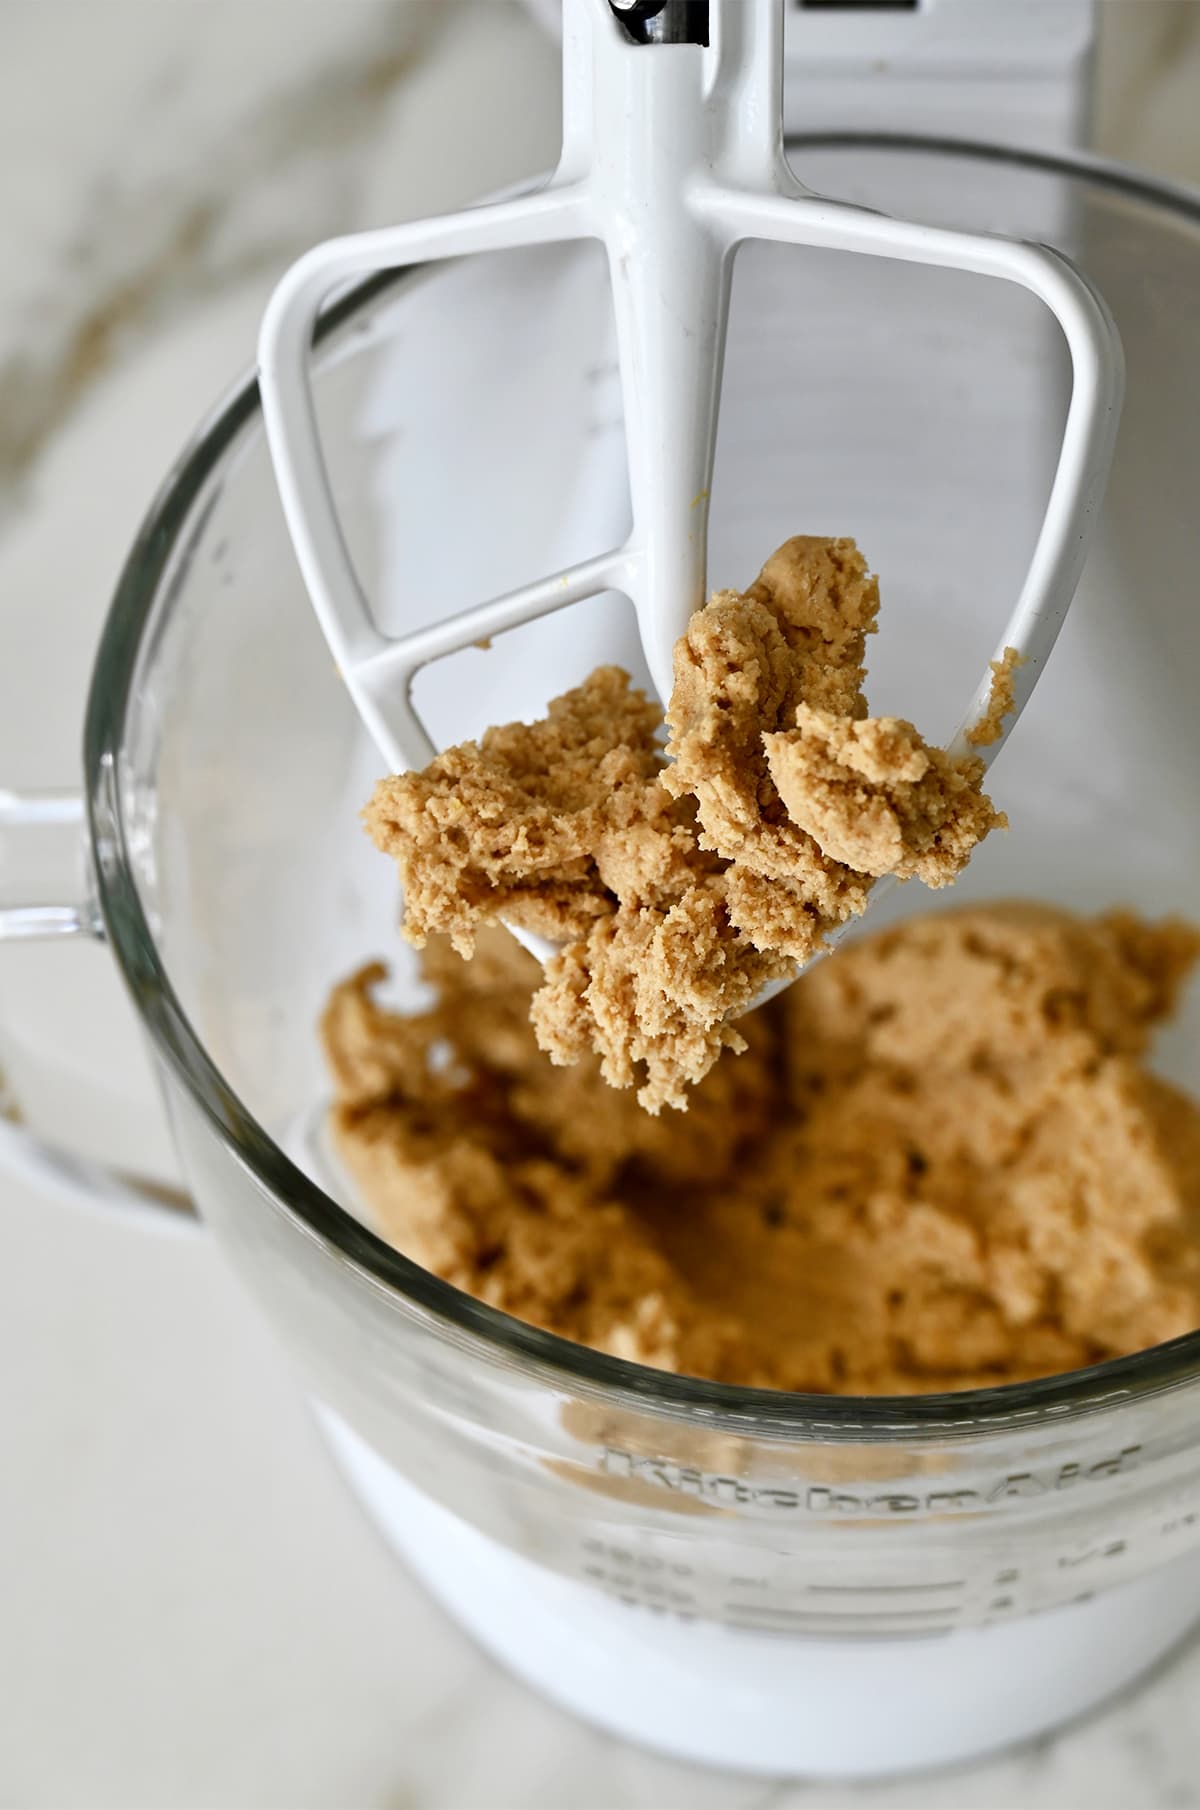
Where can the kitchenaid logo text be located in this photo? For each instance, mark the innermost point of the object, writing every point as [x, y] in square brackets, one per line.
[858, 1499]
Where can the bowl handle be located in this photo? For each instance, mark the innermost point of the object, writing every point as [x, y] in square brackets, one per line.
[41, 834]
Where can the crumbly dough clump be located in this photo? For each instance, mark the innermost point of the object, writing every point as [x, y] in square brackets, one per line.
[1001, 702]
[940, 1164]
[680, 886]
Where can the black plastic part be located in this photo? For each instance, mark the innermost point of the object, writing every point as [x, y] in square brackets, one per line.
[663, 21]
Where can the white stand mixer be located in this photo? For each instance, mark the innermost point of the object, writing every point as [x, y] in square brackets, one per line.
[865, 1597]
[672, 157]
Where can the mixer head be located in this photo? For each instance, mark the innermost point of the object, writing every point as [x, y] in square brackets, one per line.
[672, 158]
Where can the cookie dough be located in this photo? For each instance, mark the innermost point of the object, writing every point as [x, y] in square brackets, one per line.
[941, 1162]
[1001, 701]
[680, 884]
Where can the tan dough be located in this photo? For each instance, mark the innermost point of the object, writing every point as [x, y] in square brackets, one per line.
[679, 888]
[940, 1163]
[1001, 702]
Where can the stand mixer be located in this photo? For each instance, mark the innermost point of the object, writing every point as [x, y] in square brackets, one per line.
[776, 1583]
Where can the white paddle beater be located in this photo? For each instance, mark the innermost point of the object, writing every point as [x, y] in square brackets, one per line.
[672, 157]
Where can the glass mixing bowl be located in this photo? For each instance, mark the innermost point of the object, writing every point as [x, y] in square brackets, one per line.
[783, 1581]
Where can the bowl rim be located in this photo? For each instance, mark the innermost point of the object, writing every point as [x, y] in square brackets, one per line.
[776, 1414]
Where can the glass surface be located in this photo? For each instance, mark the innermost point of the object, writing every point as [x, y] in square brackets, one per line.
[917, 411]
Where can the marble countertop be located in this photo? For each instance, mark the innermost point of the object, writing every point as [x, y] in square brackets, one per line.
[194, 1612]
